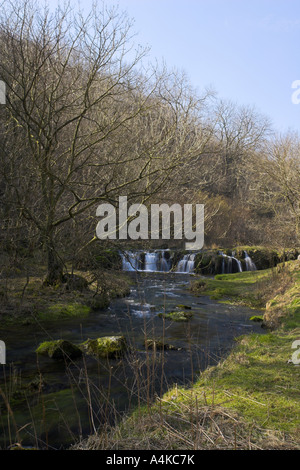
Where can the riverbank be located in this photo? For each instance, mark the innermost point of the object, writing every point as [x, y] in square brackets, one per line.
[250, 400]
[25, 299]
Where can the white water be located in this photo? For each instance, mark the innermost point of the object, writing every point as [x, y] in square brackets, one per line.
[250, 265]
[159, 261]
[165, 264]
[156, 261]
[151, 262]
[227, 264]
[187, 264]
[130, 261]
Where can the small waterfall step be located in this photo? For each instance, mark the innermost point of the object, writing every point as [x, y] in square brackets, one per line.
[231, 264]
[250, 265]
[156, 261]
[162, 261]
[228, 264]
[149, 261]
[187, 264]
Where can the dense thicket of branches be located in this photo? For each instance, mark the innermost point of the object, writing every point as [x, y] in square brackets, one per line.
[85, 123]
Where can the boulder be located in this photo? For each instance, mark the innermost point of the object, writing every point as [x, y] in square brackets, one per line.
[59, 350]
[178, 316]
[106, 347]
[159, 345]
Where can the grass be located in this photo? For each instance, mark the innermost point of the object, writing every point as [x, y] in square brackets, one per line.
[64, 310]
[258, 382]
[25, 299]
[251, 288]
[239, 288]
[249, 401]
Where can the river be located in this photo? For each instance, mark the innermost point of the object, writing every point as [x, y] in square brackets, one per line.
[75, 399]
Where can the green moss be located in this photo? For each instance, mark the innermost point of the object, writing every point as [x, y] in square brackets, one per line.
[242, 288]
[81, 293]
[64, 310]
[257, 318]
[260, 382]
[107, 346]
[258, 379]
[177, 316]
[59, 350]
[263, 257]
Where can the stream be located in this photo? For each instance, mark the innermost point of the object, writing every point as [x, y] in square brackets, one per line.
[73, 400]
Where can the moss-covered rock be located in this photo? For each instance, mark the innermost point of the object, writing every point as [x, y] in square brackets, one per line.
[263, 257]
[107, 346]
[209, 262]
[59, 349]
[59, 310]
[178, 316]
[159, 345]
[257, 318]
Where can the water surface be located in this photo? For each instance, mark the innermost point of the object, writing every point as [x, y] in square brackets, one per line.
[79, 397]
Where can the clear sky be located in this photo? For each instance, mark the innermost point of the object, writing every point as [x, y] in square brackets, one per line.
[247, 50]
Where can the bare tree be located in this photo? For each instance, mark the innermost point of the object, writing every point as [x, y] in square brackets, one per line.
[240, 131]
[276, 190]
[82, 124]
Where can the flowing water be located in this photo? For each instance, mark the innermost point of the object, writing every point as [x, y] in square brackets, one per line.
[77, 398]
[161, 261]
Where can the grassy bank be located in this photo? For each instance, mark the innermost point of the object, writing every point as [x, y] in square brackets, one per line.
[252, 288]
[24, 298]
[250, 400]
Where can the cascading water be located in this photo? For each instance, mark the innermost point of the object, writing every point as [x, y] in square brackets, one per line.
[130, 261]
[160, 261]
[231, 264]
[152, 261]
[165, 264]
[228, 264]
[156, 261]
[187, 264]
[250, 265]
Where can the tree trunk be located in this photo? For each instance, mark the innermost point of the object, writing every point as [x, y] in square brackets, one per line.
[54, 265]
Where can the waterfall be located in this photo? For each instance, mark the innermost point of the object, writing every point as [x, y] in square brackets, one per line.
[165, 264]
[160, 261]
[239, 263]
[150, 261]
[227, 264]
[250, 265]
[187, 264]
[130, 261]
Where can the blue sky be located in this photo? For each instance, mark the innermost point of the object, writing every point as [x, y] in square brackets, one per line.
[248, 51]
